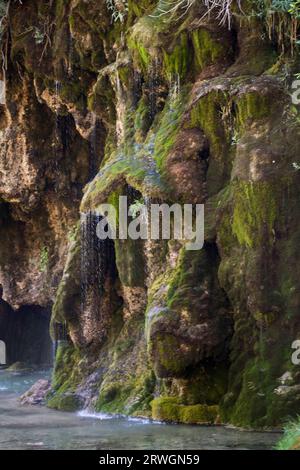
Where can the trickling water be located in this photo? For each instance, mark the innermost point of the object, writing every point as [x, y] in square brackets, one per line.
[93, 150]
[56, 128]
[175, 87]
[120, 109]
[96, 258]
[153, 86]
[54, 350]
[71, 53]
[98, 271]
[137, 86]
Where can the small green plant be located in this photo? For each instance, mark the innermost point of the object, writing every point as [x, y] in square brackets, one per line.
[72, 234]
[38, 36]
[118, 9]
[235, 138]
[2, 8]
[294, 9]
[44, 259]
[280, 5]
[291, 437]
[136, 208]
[3, 16]
[286, 6]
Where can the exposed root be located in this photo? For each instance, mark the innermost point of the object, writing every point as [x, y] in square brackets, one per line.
[221, 8]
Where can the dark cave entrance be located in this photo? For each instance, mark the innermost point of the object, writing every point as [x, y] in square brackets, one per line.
[26, 334]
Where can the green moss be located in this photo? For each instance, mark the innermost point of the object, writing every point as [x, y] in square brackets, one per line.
[250, 407]
[177, 62]
[19, 367]
[180, 302]
[165, 409]
[131, 262]
[142, 165]
[125, 74]
[66, 374]
[199, 414]
[140, 8]
[169, 409]
[225, 235]
[60, 8]
[253, 399]
[44, 259]
[254, 212]
[166, 130]
[112, 398]
[253, 106]
[140, 53]
[130, 396]
[169, 357]
[142, 119]
[74, 92]
[207, 50]
[208, 114]
[207, 384]
[65, 402]
[67, 302]
[291, 438]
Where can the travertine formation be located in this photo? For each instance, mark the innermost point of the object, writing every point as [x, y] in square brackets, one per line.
[164, 108]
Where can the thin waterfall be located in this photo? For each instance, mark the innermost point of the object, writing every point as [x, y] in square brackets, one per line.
[175, 87]
[98, 273]
[56, 128]
[96, 258]
[137, 86]
[70, 55]
[153, 85]
[93, 137]
[60, 336]
[84, 220]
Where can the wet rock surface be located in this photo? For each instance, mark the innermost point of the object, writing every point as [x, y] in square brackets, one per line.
[36, 395]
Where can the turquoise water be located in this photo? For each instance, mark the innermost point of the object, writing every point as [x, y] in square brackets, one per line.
[25, 427]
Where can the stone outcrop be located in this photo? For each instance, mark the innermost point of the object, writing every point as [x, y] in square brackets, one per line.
[36, 395]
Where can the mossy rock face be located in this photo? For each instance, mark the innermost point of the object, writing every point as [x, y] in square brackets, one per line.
[170, 108]
[66, 374]
[169, 409]
[207, 385]
[19, 367]
[210, 315]
[66, 402]
[291, 437]
[131, 262]
[178, 333]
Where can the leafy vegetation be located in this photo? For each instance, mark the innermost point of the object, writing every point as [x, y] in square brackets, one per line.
[44, 259]
[287, 6]
[220, 8]
[291, 438]
[118, 9]
[223, 9]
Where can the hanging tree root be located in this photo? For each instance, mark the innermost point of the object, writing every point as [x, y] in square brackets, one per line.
[220, 8]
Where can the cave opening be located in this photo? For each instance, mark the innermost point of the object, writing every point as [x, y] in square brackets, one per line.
[25, 332]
